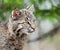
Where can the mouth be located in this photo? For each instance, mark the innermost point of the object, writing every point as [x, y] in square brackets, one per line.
[30, 31]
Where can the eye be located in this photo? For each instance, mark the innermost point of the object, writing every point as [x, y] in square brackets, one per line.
[28, 19]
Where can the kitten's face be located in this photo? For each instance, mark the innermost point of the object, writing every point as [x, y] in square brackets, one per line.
[26, 14]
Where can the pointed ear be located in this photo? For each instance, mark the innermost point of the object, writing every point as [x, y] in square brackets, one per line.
[16, 12]
[30, 8]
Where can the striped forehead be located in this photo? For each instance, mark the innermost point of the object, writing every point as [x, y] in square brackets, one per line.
[26, 12]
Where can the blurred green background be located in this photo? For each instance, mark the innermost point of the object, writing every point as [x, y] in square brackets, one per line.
[43, 8]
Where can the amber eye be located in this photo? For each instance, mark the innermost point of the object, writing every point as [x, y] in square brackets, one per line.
[28, 18]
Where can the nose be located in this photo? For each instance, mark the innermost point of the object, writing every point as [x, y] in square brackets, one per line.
[33, 26]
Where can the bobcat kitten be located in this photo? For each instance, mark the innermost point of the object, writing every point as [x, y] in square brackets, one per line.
[21, 23]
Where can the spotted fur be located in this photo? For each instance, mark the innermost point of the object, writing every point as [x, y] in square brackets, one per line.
[19, 28]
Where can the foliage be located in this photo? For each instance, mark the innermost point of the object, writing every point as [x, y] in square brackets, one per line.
[43, 8]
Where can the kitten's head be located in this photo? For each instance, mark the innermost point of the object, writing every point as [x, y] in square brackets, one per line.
[25, 13]
[16, 13]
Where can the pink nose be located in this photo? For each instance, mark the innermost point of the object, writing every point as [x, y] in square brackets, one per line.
[33, 27]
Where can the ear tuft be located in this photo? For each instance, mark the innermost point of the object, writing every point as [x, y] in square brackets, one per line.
[30, 8]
